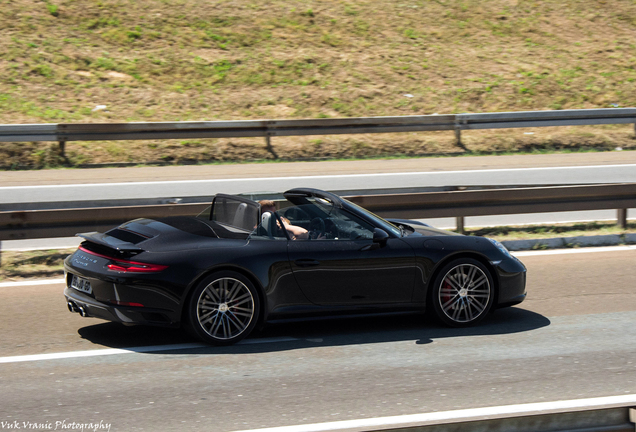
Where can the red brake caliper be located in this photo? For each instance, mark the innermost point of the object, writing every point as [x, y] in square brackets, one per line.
[447, 290]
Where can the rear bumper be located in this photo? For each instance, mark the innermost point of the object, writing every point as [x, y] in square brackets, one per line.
[123, 314]
[113, 297]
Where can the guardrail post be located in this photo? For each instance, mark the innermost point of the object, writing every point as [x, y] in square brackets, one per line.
[460, 224]
[621, 216]
[62, 148]
[268, 135]
[458, 133]
[268, 144]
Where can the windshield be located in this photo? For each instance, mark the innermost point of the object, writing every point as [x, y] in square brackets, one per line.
[382, 223]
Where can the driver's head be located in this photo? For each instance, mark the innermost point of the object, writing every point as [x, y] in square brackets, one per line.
[267, 206]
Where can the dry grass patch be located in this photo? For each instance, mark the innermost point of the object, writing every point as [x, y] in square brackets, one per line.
[32, 264]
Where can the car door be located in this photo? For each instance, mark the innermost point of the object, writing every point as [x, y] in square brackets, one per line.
[346, 268]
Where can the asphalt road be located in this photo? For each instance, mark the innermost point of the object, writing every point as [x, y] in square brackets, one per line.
[206, 180]
[572, 338]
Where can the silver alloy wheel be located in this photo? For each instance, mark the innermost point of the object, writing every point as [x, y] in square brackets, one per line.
[464, 293]
[225, 308]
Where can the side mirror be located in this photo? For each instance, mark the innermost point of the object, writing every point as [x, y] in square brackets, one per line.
[379, 240]
[380, 236]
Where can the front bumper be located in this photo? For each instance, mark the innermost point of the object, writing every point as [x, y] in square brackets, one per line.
[512, 282]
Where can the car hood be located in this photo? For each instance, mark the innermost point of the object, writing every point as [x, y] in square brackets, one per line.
[421, 228]
[430, 231]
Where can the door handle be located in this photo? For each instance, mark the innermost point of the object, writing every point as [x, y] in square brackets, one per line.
[306, 262]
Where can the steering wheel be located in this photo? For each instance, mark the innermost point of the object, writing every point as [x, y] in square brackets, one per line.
[317, 227]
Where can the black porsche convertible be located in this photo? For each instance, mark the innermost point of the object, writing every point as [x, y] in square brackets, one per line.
[242, 263]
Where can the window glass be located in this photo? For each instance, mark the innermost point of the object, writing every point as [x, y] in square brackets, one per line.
[323, 221]
[383, 223]
[233, 213]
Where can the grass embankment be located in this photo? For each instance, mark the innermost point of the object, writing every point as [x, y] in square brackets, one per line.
[172, 60]
[530, 232]
[49, 263]
[32, 264]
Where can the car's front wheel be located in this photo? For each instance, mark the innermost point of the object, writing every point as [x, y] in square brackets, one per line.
[463, 292]
[224, 308]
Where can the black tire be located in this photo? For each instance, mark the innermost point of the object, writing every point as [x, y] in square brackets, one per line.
[223, 308]
[463, 292]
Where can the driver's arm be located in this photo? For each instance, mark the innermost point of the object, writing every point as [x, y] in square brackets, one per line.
[295, 232]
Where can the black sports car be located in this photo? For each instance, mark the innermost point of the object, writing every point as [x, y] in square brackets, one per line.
[242, 263]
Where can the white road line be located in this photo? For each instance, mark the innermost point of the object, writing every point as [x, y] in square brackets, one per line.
[38, 248]
[299, 178]
[464, 415]
[131, 350]
[575, 251]
[31, 283]
[95, 353]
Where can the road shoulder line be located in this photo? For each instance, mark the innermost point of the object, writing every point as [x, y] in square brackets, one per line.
[574, 250]
[130, 350]
[473, 414]
[312, 177]
[32, 283]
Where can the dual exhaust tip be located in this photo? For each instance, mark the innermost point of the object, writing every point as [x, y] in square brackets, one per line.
[73, 307]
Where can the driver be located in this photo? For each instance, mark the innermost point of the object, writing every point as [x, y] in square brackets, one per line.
[294, 232]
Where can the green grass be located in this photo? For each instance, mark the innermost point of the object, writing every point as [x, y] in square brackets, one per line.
[170, 60]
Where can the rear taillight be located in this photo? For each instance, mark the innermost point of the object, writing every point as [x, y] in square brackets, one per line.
[126, 266]
[135, 267]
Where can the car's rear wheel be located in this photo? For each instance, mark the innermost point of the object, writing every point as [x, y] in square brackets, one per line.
[463, 292]
[224, 308]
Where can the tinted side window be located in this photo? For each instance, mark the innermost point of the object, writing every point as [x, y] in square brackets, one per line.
[329, 223]
[349, 226]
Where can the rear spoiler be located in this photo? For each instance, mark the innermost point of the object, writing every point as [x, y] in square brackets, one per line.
[110, 242]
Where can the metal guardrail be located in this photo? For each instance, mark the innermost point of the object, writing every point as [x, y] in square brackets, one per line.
[30, 224]
[501, 201]
[33, 224]
[272, 128]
